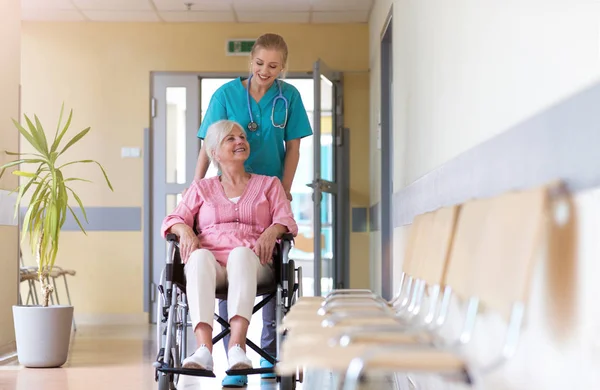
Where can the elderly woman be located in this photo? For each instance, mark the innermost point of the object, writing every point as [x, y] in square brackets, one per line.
[239, 216]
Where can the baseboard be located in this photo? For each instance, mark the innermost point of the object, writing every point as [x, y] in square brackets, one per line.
[111, 319]
[8, 352]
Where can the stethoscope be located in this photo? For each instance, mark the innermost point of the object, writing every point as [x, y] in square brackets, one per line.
[253, 126]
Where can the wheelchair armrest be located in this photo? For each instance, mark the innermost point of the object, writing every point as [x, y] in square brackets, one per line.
[287, 237]
[172, 237]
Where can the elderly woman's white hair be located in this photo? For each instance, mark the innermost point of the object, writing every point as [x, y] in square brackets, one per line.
[215, 135]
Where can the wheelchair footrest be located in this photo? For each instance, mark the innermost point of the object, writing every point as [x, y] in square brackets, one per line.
[185, 371]
[251, 371]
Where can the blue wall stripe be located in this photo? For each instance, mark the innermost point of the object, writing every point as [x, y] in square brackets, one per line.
[7, 208]
[111, 219]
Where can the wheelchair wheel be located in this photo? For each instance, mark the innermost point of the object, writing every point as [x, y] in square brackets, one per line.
[165, 382]
[287, 383]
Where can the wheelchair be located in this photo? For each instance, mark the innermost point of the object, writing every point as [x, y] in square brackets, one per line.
[172, 315]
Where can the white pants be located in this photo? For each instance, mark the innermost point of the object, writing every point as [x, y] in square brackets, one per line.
[204, 274]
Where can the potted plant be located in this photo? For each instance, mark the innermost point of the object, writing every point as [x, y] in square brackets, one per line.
[43, 332]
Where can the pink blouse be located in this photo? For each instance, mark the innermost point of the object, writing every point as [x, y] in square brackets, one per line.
[224, 225]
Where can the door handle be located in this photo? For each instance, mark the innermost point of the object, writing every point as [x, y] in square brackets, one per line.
[323, 185]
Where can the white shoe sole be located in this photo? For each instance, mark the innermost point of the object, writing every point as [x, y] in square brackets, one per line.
[241, 366]
[195, 366]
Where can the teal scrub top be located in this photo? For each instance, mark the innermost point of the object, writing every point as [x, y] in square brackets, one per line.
[267, 143]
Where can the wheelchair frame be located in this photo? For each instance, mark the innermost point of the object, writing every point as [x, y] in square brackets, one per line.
[172, 316]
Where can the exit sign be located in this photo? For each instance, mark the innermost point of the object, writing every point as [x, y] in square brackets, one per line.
[239, 47]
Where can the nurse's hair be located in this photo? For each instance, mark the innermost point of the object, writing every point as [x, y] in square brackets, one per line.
[215, 135]
[271, 41]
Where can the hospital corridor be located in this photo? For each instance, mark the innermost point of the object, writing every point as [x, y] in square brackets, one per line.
[299, 194]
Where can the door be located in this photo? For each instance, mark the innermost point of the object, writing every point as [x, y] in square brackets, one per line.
[175, 147]
[330, 195]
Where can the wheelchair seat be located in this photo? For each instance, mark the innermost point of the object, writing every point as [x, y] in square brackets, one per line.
[264, 288]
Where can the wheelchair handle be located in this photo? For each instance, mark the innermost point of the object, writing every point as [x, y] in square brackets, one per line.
[171, 237]
[287, 237]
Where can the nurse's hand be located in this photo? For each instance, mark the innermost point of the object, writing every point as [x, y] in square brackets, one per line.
[289, 195]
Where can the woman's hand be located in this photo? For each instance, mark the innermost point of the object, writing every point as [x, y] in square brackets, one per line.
[188, 241]
[265, 245]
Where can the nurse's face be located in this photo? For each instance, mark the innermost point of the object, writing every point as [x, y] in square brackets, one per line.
[266, 66]
[234, 147]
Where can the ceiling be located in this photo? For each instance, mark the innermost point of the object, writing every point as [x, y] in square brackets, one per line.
[240, 11]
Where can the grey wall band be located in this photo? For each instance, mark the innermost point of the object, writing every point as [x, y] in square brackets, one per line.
[562, 142]
[7, 208]
[359, 220]
[109, 219]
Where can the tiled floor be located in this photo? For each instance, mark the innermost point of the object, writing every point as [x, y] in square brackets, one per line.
[120, 357]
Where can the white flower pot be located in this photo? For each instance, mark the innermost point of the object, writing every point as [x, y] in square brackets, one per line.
[43, 334]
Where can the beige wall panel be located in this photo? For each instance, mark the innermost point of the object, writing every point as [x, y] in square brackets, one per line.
[10, 65]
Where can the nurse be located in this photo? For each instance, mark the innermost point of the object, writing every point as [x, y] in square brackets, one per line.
[273, 115]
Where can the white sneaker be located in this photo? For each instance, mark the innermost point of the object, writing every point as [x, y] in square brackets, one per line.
[201, 359]
[237, 358]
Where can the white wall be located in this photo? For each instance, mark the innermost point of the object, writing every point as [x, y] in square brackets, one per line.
[467, 70]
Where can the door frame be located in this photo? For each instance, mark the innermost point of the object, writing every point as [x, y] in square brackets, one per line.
[387, 160]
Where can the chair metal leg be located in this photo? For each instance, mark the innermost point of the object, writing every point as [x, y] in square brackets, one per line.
[55, 291]
[36, 299]
[30, 295]
[69, 300]
[401, 381]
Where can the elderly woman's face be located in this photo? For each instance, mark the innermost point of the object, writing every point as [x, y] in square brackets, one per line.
[234, 147]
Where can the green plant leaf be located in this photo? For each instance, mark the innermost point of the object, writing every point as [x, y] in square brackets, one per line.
[39, 136]
[57, 140]
[87, 162]
[63, 199]
[76, 162]
[24, 174]
[77, 220]
[62, 110]
[23, 161]
[77, 179]
[29, 137]
[8, 165]
[73, 140]
[105, 176]
[25, 188]
[28, 217]
[22, 190]
[79, 202]
[26, 154]
[33, 210]
[37, 222]
[41, 133]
